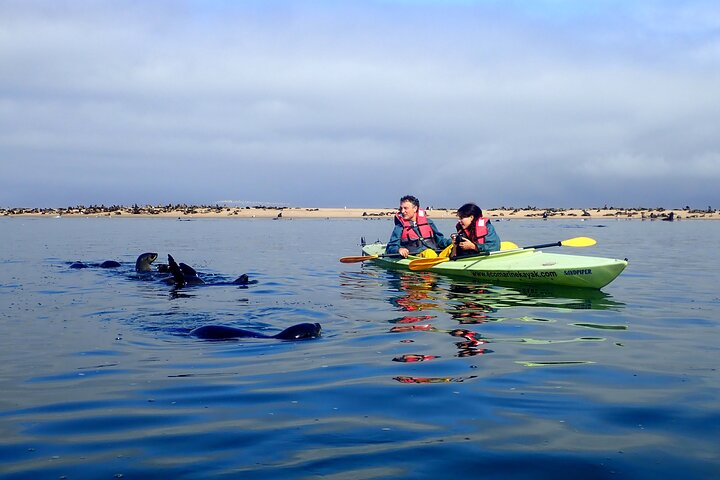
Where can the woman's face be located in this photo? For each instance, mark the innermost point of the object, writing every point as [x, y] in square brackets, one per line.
[466, 221]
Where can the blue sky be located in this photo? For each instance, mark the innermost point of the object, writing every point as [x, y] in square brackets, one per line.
[322, 104]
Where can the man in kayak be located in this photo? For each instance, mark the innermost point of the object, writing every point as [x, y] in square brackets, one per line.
[414, 232]
[475, 234]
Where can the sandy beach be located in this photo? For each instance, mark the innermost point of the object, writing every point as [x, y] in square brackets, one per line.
[216, 211]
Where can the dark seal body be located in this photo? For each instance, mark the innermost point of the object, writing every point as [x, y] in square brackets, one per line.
[183, 274]
[300, 331]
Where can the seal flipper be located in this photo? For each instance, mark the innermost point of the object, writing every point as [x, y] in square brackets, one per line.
[188, 270]
[191, 276]
[176, 272]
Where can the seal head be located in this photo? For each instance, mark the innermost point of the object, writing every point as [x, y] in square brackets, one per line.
[300, 331]
[144, 262]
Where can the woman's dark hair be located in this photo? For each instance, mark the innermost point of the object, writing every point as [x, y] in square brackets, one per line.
[411, 199]
[469, 209]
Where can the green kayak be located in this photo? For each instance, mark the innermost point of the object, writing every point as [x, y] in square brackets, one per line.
[523, 265]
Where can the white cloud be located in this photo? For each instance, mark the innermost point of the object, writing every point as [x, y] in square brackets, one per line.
[533, 95]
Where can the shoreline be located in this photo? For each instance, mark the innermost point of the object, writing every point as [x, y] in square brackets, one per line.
[183, 212]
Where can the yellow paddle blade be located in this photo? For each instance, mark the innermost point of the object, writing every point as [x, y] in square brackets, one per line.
[579, 242]
[357, 259]
[508, 246]
[426, 263]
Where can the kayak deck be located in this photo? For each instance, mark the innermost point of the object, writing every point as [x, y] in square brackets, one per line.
[527, 266]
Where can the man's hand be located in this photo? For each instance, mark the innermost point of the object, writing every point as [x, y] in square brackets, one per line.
[404, 252]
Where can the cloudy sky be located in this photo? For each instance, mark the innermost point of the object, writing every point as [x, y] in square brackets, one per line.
[550, 103]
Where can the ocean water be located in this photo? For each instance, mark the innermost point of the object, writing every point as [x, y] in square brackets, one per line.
[100, 379]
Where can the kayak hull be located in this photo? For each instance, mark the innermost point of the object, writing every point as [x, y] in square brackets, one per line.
[523, 266]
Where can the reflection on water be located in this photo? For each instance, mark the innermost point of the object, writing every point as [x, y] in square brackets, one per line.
[432, 305]
[434, 379]
[415, 375]
[540, 296]
[416, 292]
[601, 327]
[551, 363]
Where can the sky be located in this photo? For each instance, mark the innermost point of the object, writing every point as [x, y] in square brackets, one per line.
[506, 103]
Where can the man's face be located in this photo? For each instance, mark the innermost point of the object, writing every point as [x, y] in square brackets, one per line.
[408, 210]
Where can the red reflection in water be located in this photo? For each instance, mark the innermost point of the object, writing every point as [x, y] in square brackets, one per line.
[410, 328]
[414, 358]
[432, 379]
[413, 319]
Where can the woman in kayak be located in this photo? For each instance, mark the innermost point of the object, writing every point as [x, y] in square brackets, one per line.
[414, 233]
[475, 235]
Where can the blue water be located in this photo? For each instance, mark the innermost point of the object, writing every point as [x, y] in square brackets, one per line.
[99, 379]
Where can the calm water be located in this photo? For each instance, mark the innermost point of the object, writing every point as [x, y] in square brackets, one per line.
[98, 378]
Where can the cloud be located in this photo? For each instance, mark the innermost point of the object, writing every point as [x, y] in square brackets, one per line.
[326, 104]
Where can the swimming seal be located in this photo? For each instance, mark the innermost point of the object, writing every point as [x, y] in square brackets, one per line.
[183, 274]
[301, 331]
[105, 264]
[191, 276]
[144, 262]
[109, 264]
[243, 280]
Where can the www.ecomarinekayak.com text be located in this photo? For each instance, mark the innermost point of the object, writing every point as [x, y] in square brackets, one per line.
[531, 274]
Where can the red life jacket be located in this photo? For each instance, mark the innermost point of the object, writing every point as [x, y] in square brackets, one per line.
[481, 230]
[409, 233]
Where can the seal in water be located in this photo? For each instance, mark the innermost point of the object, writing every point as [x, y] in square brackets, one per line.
[183, 274]
[191, 275]
[301, 331]
[144, 262]
[243, 280]
[105, 264]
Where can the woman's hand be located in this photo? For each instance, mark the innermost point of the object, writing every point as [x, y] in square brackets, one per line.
[466, 244]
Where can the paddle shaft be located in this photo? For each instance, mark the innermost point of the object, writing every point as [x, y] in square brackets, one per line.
[368, 257]
[424, 264]
[543, 245]
[553, 244]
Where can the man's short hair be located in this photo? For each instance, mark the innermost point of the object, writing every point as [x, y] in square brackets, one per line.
[411, 199]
